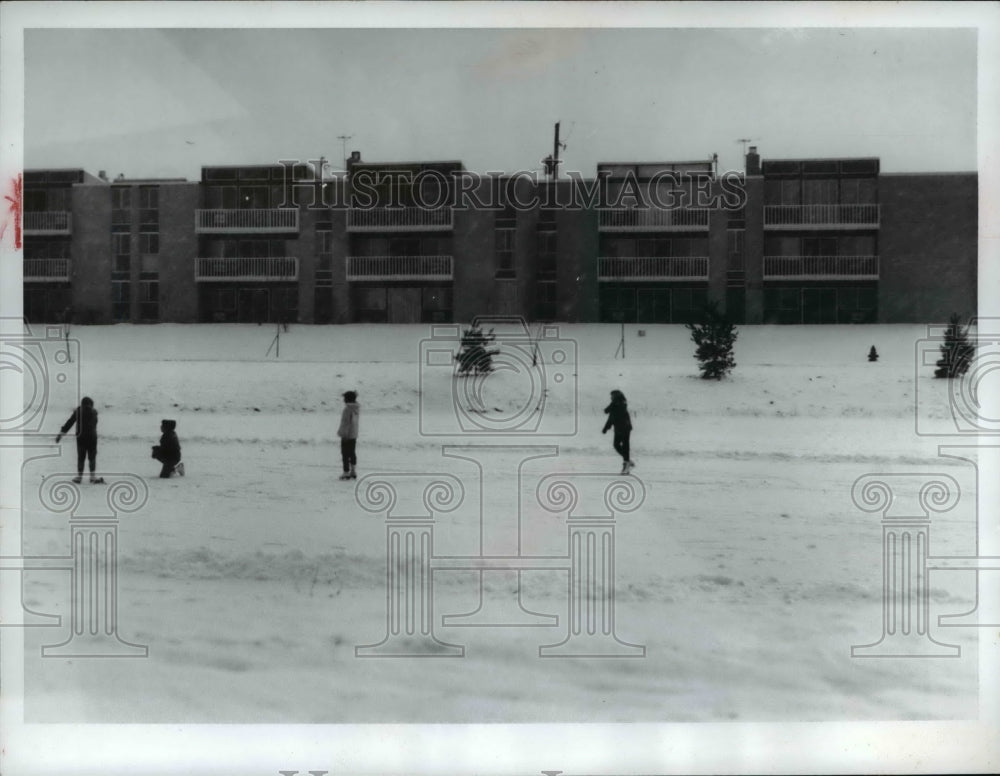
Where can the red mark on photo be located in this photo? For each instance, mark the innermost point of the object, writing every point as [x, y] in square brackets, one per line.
[14, 211]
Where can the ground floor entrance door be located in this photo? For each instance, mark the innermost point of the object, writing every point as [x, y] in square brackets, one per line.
[253, 305]
[404, 305]
[819, 305]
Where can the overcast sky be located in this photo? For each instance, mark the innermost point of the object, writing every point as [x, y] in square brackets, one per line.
[162, 103]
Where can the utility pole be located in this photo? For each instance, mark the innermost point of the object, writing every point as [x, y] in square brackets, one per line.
[552, 162]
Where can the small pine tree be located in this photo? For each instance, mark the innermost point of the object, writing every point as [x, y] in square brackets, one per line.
[475, 357]
[956, 350]
[873, 354]
[714, 337]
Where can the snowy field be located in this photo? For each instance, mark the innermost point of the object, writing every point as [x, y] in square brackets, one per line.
[747, 573]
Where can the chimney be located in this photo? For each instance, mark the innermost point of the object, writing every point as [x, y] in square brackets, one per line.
[753, 161]
[103, 175]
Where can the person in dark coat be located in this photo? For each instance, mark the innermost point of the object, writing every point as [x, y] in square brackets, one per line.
[348, 433]
[619, 419]
[84, 418]
[168, 452]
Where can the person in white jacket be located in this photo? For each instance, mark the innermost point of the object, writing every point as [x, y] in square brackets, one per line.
[348, 433]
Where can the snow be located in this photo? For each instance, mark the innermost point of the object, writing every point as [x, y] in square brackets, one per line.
[747, 573]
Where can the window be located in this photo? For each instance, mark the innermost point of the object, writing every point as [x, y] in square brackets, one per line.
[504, 252]
[149, 243]
[858, 191]
[149, 207]
[121, 205]
[782, 192]
[819, 191]
[545, 301]
[546, 254]
[120, 291]
[254, 197]
[734, 249]
[35, 201]
[819, 246]
[223, 197]
[404, 246]
[856, 245]
[436, 303]
[121, 249]
[324, 250]
[618, 305]
[371, 298]
[149, 300]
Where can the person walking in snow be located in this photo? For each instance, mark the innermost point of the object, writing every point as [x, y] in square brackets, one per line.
[84, 418]
[348, 433]
[168, 452]
[618, 418]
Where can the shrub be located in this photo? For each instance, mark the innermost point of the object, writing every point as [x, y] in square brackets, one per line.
[475, 357]
[714, 338]
[956, 350]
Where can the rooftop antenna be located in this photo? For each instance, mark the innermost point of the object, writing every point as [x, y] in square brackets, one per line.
[744, 141]
[343, 141]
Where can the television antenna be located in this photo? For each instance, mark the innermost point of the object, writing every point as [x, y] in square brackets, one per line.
[744, 141]
[343, 144]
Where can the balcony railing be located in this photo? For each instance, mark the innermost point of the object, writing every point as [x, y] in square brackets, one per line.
[401, 219]
[48, 222]
[649, 268]
[653, 219]
[46, 270]
[821, 267]
[400, 268]
[821, 216]
[237, 220]
[274, 268]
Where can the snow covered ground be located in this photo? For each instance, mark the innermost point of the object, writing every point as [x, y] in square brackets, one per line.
[747, 573]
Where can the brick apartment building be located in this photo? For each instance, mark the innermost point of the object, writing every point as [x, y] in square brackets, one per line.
[788, 242]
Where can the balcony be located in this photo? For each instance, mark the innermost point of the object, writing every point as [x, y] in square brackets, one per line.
[821, 268]
[46, 270]
[44, 222]
[400, 268]
[247, 221]
[821, 217]
[653, 220]
[400, 219]
[652, 268]
[274, 269]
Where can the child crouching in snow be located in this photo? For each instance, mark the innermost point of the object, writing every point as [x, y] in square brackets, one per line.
[348, 433]
[618, 417]
[168, 452]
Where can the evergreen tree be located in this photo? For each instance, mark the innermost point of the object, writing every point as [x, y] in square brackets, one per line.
[873, 354]
[475, 357]
[714, 337]
[956, 350]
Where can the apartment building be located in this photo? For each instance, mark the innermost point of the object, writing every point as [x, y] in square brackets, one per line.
[789, 241]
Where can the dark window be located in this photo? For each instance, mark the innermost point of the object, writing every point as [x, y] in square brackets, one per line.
[120, 291]
[149, 300]
[545, 301]
[504, 247]
[121, 249]
[546, 254]
[324, 250]
[121, 205]
[149, 243]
